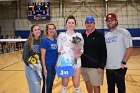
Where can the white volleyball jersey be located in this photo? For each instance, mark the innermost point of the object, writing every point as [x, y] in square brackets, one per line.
[65, 44]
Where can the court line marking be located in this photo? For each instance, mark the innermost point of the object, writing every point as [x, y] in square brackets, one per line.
[11, 70]
[9, 65]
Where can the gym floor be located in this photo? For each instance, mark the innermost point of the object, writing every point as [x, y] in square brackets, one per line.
[13, 78]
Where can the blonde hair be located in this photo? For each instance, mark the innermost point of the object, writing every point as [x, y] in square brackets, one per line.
[31, 37]
[45, 34]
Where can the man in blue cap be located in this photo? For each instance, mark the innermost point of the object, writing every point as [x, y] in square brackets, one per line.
[94, 57]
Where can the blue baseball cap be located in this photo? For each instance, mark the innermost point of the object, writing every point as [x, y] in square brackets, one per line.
[90, 19]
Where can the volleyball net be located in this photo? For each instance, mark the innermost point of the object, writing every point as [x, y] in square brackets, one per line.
[9, 45]
[23, 40]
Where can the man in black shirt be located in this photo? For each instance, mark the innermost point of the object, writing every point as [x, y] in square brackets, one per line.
[94, 57]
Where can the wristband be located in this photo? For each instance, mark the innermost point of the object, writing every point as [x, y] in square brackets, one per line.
[123, 62]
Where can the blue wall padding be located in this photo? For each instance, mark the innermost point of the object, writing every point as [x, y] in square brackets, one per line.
[24, 34]
[135, 32]
[81, 30]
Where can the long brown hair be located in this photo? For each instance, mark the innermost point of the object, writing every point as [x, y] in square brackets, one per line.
[31, 36]
[45, 34]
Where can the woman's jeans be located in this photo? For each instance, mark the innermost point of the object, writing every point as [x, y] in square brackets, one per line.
[33, 80]
[116, 76]
[49, 80]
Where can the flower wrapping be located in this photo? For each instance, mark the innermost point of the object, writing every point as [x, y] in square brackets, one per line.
[64, 60]
[34, 61]
[64, 66]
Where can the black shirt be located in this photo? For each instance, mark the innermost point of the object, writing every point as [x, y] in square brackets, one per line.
[95, 52]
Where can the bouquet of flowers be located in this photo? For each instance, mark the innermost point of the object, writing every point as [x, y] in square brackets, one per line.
[34, 61]
[76, 40]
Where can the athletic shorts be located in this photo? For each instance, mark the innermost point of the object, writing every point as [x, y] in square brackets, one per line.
[91, 74]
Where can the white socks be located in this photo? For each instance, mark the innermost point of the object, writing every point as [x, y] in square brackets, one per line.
[63, 89]
[78, 90]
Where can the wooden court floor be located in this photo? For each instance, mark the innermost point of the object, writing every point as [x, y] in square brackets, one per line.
[13, 80]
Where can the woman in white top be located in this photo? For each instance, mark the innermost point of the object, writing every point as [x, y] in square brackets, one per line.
[73, 51]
